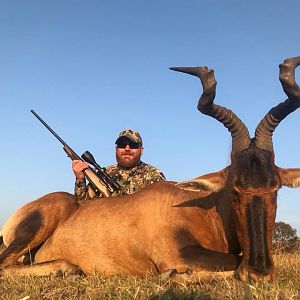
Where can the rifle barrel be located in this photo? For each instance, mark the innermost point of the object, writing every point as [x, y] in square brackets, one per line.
[49, 128]
[97, 183]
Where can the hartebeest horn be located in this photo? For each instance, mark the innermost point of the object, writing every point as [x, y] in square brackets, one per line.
[266, 127]
[239, 132]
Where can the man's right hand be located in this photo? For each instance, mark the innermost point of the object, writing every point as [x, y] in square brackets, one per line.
[78, 166]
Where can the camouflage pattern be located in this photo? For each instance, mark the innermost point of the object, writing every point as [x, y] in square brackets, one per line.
[132, 135]
[131, 180]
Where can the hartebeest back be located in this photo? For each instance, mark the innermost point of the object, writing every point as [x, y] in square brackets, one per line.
[218, 221]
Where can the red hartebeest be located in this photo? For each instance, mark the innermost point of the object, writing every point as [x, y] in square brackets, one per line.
[219, 221]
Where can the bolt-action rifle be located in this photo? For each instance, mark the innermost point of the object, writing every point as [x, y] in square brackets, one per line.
[99, 180]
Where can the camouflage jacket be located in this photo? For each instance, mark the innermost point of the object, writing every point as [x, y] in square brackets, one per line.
[131, 180]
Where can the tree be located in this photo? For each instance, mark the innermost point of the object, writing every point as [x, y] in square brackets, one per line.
[284, 237]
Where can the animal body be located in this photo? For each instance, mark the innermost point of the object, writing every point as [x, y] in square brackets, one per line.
[218, 221]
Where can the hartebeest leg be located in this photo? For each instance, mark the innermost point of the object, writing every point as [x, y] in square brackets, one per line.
[13, 252]
[56, 267]
[9, 256]
[33, 224]
[195, 277]
[198, 263]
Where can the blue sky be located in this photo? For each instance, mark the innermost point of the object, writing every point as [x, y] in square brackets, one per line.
[93, 68]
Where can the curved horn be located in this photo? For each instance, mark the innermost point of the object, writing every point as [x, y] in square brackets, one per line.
[266, 127]
[239, 132]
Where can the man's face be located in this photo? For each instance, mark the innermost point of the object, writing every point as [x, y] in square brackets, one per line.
[127, 154]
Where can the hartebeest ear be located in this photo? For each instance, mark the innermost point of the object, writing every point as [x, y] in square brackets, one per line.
[212, 182]
[289, 177]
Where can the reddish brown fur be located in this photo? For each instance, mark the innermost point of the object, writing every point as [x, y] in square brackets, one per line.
[138, 233]
[135, 234]
[222, 220]
[34, 223]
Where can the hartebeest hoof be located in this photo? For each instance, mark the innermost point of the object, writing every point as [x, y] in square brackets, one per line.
[165, 276]
[247, 274]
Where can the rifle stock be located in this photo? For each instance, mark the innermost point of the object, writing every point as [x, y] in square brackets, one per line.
[94, 180]
[89, 173]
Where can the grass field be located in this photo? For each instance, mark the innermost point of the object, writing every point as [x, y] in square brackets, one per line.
[120, 287]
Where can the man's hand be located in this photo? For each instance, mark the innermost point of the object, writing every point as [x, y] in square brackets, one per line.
[78, 166]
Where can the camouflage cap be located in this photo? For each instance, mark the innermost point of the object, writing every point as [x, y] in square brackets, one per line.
[132, 135]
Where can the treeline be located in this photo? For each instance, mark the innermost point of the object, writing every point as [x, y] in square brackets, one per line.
[285, 238]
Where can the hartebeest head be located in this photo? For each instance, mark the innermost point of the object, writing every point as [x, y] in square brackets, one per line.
[253, 179]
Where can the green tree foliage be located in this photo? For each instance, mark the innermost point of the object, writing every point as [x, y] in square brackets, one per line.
[284, 237]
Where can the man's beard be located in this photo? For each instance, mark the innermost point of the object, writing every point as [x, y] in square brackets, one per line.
[128, 160]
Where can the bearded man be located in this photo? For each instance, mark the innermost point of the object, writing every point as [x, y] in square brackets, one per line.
[129, 172]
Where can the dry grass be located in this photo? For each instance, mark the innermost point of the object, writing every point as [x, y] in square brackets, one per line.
[121, 287]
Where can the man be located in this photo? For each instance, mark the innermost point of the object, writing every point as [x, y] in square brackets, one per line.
[130, 172]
